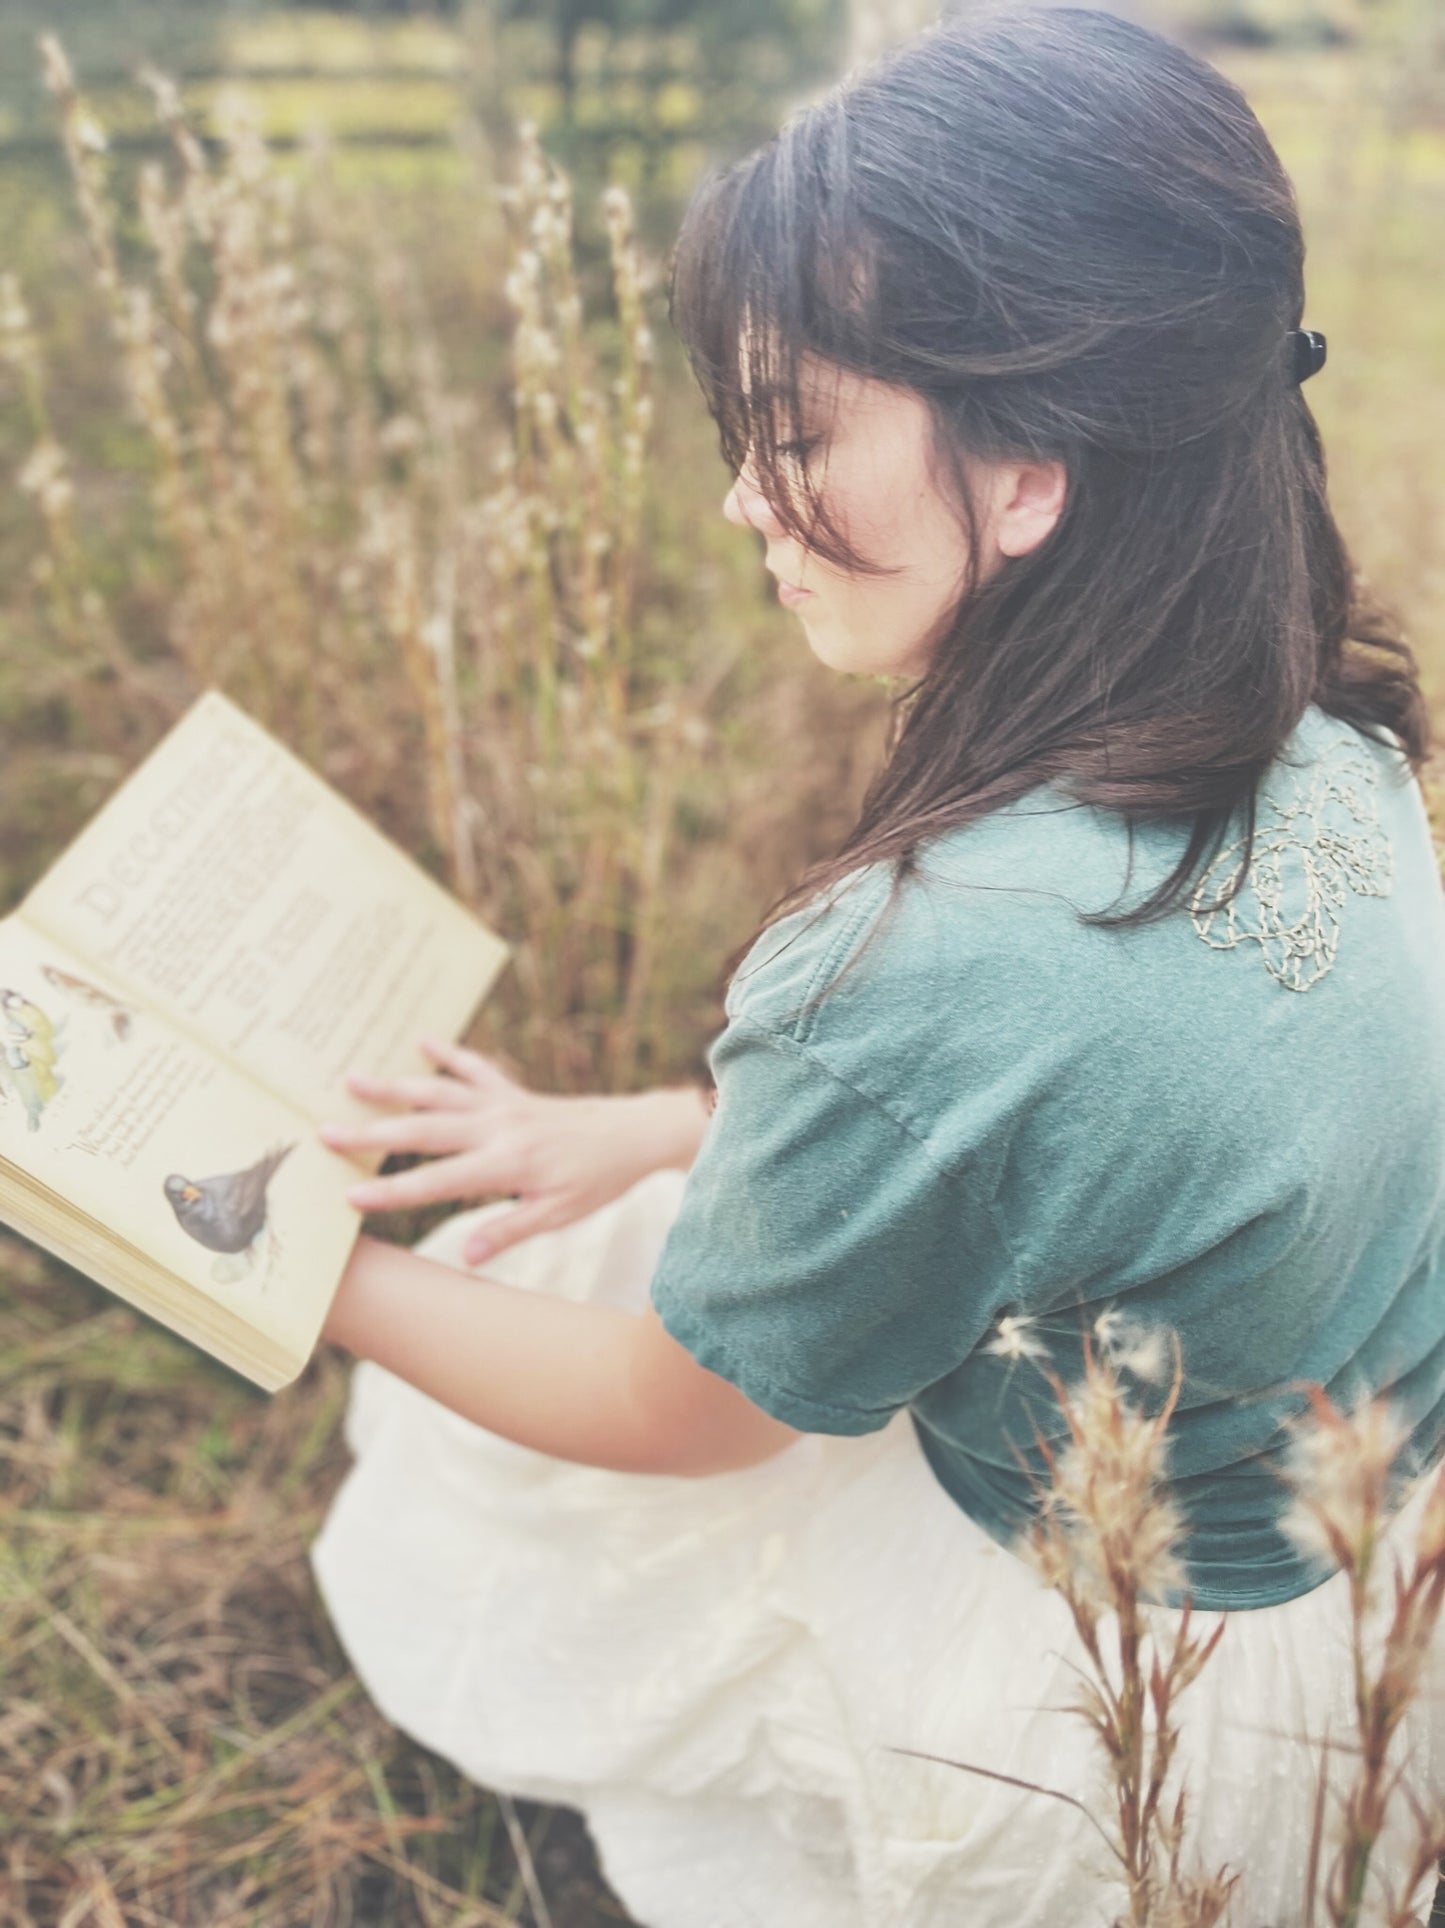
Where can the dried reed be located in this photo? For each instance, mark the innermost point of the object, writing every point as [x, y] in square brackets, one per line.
[336, 516]
[1344, 1476]
[1107, 1537]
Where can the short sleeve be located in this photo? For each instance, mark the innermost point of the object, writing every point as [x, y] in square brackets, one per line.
[820, 1260]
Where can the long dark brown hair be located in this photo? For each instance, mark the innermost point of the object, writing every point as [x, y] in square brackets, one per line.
[1074, 240]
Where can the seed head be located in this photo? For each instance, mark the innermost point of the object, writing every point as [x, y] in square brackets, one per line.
[90, 134]
[1341, 1468]
[58, 75]
[44, 476]
[1133, 1347]
[1106, 1502]
[1015, 1338]
[14, 319]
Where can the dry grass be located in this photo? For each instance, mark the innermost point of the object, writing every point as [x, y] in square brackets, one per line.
[459, 602]
[263, 439]
[181, 1739]
[474, 604]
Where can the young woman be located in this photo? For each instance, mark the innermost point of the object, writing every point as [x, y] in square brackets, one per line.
[690, 1486]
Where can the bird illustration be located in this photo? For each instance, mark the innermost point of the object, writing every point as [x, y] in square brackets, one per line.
[84, 992]
[33, 1085]
[24, 1023]
[226, 1213]
[29, 1046]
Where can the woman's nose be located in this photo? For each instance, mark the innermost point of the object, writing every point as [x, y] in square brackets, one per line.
[745, 505]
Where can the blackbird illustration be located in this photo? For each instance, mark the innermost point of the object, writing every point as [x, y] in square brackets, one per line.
[226, 1213]
[84, 992]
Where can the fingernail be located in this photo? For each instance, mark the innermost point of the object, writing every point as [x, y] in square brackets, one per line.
[477, 1251]
[328, 1133]
[361, 1195]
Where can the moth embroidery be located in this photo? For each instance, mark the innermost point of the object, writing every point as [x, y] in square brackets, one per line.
[1309, 851]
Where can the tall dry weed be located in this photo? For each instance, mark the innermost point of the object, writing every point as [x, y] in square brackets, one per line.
[1108, 1538]
[1345, 1481]
[363, 555]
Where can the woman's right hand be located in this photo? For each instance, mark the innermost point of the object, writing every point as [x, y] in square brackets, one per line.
[559, 1157]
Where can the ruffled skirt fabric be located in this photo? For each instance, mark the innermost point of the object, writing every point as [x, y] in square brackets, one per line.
[720, 1673]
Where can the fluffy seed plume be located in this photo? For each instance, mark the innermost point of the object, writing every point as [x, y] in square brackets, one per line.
[1341, 1468]
[1015, 1337]
[1130, 1346]
[1107, 1497]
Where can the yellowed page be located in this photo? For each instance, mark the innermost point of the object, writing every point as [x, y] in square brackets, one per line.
[230, 887]
[132, 1124]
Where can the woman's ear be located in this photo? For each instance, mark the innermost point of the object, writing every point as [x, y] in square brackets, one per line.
[1028, 500]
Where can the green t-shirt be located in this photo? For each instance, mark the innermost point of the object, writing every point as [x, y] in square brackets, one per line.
[1004, 1126]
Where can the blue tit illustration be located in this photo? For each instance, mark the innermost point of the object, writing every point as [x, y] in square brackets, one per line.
[226, 1213]
[24, 1023]
[33, 1085]
[83, 991]
[29, 1046]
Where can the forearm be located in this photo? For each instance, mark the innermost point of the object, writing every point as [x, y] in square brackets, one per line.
[554, 1374]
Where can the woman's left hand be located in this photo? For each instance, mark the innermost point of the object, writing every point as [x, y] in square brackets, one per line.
[559, 1157]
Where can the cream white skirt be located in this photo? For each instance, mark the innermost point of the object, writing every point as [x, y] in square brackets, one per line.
[717, 1671]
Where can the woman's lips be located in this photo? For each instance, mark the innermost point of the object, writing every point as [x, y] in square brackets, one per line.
[790, 594]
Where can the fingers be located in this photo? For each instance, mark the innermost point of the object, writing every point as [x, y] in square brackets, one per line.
[422, 1185]
[471, 1074]
[465, 1063]
[436, 1094]
[532, 1215]
[425, 1131]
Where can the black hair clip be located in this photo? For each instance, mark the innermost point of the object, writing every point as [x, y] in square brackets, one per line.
[1309, 352]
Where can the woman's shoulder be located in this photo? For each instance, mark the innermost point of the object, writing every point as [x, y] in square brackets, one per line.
[1000, 905]
[798, 956]
[1047, 843]
[877, 945]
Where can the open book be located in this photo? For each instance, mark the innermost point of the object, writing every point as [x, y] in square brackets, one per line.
[181, 995]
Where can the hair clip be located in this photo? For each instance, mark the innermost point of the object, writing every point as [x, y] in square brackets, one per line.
[1309, 352]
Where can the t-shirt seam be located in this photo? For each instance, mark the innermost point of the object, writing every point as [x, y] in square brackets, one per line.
[801, 1029]
[790, 1046]
[854, 916]
[793, 1047]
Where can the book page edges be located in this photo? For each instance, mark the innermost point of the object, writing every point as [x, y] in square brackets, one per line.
[125, 1271]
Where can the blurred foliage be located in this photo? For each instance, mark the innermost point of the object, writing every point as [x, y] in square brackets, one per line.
[385, 477]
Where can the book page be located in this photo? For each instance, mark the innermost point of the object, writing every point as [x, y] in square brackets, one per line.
[229, 886]
[131, 1124]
